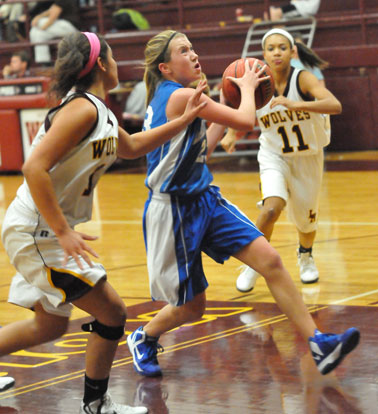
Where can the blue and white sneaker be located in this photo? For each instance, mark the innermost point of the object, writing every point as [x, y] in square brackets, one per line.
[328, 350]
[144, 350]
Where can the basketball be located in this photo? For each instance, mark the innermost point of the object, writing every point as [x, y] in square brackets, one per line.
[231, 91]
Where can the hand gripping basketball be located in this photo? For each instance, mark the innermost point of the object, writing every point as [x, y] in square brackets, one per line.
[263, 93]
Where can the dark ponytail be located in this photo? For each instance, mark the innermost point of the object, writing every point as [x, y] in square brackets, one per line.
[309, 58]
[73, 54]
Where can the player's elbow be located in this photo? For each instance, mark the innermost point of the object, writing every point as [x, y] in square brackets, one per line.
[28, 168]
[247, 125]
[128, 154]
[338, 108]
[129, 147]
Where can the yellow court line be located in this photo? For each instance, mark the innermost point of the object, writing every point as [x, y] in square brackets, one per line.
[38, 385]
[361, 295]
[128, 360]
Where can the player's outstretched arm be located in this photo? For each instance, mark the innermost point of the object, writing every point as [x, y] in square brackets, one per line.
[141, 143]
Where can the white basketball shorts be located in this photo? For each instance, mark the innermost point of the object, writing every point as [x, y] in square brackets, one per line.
[298, 181]
[37, 257]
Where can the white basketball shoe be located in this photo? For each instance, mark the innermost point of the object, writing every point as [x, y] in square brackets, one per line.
[247, 279]
[6, 383]
[307, 268]
[105, 405]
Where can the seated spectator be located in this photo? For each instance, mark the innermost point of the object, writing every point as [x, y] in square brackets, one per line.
[18, 66]
[15, 30]
[61, 18]
[296, 8]
[11, 17]
[135, 108]
[38, 8]
[136, 102]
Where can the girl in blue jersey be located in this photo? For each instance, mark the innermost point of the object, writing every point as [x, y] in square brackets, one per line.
[185, 215]
[73, 148]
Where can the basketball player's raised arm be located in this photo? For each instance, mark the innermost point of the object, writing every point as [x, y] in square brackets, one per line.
[243, 118]
[141, 143]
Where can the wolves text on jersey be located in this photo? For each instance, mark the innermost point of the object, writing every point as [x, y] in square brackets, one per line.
[284, 116]
[109, 145]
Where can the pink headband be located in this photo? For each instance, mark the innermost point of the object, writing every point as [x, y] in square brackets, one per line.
[94, 42]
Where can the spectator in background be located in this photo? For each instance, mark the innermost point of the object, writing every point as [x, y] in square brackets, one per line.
[135, 108]
[136, 102]
[60, 19]
[18, 66]
[296, 8]
[38, 8]
[10, 15]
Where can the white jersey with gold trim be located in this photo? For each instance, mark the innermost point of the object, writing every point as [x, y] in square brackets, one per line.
[75, 176]
[293, 133]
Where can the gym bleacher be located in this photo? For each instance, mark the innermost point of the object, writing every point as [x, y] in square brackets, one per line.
[346, 35]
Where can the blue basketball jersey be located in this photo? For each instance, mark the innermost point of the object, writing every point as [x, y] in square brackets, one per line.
[179, 166]
[185, 215]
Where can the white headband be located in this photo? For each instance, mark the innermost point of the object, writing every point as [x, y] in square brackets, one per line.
[282, 32]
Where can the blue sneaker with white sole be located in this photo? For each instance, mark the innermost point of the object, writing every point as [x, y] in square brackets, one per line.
[144, 350]
[328, 350]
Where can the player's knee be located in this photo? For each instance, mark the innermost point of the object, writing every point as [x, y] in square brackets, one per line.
[119, 314]
[195, 310]
[306, 228]
[271, 214]
[110, 333]
[199, 311]
[195, 314]
[272, 264]
[113, 314]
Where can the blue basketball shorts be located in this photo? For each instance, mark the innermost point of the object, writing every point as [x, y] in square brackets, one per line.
[178, 229]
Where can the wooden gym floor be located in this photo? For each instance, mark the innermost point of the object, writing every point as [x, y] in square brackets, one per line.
[243, 356]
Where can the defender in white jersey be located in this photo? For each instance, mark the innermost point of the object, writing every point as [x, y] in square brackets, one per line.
[78, 141]
[294, 130]
[185, 215]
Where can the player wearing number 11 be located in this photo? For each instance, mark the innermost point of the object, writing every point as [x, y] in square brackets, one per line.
[294, 130]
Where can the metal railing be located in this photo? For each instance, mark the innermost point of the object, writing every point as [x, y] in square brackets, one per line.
[181, 5]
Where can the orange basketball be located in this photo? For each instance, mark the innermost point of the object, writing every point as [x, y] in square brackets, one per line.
[231, 91]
